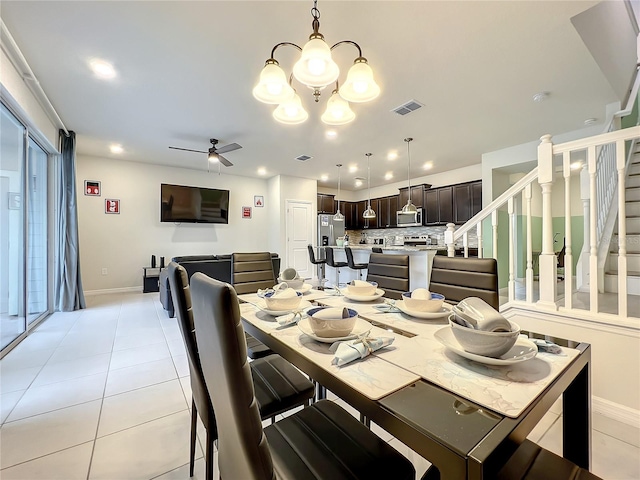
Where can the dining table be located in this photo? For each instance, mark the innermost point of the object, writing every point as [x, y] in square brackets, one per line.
[464, 415]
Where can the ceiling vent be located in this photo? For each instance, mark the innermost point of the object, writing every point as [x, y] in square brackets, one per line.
[303, 158]
[410, 106]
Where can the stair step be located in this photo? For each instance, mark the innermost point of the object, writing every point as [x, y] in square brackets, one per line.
[633, 263]
[633, 243]
[611, 283]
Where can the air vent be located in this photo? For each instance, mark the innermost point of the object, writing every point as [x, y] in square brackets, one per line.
[410, 106]
[303, 158]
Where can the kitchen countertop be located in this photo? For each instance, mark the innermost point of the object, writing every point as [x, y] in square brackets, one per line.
[403, 248]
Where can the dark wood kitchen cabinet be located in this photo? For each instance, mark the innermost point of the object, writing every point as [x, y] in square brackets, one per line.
[417, 195]
[375, 205]
[438, 208]
[467, 201]
[387, 208]
[326, 203]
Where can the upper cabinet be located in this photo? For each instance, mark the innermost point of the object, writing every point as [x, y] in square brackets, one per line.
[453, 203]
[467, 201]
[387, 208]
[438, 209]
[326, 203]
[417, 195]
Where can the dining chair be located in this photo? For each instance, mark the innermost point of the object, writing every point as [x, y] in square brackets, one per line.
[278, 385]
[532, 462]
[322, 441]
[458, 278]
[391, 272]
[352, 264]
[319, 262]
[328, 251]
[249, 273]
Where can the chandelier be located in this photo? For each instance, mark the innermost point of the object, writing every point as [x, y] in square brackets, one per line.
[316, 70]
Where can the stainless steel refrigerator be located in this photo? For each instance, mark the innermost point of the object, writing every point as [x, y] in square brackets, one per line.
[329, 229]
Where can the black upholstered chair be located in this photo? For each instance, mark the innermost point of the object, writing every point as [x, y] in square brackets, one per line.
[322, 441]
[277, 384]
[458, 278]
[532, 462]
[376, 250]
[328, 251]
[321, 262]
[249, 273]
[391, 272]
[352, 264]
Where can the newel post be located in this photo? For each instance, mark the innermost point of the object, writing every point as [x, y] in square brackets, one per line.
[448, 239]
[547, 261]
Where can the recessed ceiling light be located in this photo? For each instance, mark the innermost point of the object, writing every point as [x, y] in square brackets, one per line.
[102, 69]
[392, 155]
[388, 176]
[262, 171]
[576, 165]
[590, 121]
[540, 97]
[358, 182]
[324, 178]
[117, 149]
[353, 168]
[331, 134]
[428, 166]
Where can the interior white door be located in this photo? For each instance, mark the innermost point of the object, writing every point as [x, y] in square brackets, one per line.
[299, 231]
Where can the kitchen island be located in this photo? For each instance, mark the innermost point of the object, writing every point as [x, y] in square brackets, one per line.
[420, 261]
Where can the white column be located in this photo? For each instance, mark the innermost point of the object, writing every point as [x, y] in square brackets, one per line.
[448, 239]
[494, 226]
[622, 231]
[568, 257]
[529, 272]
[547, 261]
[593, 234]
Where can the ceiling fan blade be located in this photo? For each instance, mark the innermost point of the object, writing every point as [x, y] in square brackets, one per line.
[224, 161]
[228, 148]
[188, 150]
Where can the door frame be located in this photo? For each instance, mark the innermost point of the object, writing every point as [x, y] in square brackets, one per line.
[310, 228]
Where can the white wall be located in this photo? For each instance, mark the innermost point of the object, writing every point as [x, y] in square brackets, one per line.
[124, 243]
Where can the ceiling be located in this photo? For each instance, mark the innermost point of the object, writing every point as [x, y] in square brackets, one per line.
[186, 71]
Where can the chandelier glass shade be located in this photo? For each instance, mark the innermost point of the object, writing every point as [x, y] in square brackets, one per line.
[369, 212]
[291, 111]
[316, 69]
[409, 207]
[338, 215]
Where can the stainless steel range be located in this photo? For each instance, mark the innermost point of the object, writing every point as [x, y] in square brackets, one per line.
[417, 240]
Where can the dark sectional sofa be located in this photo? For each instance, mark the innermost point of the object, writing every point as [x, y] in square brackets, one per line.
[215, 266]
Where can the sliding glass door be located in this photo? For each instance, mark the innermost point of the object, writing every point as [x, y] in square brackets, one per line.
[24, 276]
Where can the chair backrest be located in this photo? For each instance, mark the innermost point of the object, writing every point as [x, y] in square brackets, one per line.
[251, 272]
[458, 278]
[312, 256]
[181, 295]
[391, 272]
[349, 253]
[329, 256]
[242, 446]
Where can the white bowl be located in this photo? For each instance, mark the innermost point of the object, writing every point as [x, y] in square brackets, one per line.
[364, 290]
[480, 342]
[277, 303]
[331, 328]
[432, 304]
[482, 316]
[289, 274]
[295, 283]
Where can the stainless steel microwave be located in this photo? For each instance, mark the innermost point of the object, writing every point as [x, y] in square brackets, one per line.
[413, 219]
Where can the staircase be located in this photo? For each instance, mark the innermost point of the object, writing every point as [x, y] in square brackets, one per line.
[632, 204]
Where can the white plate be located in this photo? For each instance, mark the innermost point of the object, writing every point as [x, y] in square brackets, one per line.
[263, 306]
[362, 298]
[445, 310]
[523, 349]
[304, 288]
[362, 327]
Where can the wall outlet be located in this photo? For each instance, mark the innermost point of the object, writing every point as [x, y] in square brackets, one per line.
[104, 271]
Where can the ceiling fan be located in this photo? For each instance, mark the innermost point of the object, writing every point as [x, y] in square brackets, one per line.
[215, 154]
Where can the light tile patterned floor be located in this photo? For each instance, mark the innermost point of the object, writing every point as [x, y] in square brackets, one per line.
[104, 393]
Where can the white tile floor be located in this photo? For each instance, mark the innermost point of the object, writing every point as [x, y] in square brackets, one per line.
[104, 393]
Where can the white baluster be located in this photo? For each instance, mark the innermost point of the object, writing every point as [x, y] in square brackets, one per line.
[512, 253]
[465, 244]
[547, 261]
[494, 225]
[622, 231]
[593, 237]
[448, 239]
[529, 271]
[568, 259]
[479, 235]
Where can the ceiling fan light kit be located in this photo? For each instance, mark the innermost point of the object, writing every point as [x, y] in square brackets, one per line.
[214, 154]
[316, 69]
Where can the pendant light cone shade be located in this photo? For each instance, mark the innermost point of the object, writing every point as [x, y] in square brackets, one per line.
[272, 86]
[360, 85]
[291, 111]
[369, 212]
[316, 68]
[409, 207]
[338, 111]
[338, 215]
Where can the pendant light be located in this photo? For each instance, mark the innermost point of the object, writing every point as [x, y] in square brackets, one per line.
[369, 213]
[338, 215]
[409, 207]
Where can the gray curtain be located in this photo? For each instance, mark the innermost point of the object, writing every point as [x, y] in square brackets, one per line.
[69, 294]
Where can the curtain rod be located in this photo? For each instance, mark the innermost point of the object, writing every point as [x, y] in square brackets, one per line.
[10, 47]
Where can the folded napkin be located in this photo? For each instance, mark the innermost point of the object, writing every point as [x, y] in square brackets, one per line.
[345, 352]
[359, 283]
[546, 346]
[290, 318]
[332, 313]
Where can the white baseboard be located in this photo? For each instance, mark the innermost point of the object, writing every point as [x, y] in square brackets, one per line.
[615, 420]
[110, 291]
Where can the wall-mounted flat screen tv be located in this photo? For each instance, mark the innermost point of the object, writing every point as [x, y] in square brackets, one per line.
[183, 204]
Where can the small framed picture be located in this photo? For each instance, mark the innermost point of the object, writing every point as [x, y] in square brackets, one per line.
[111, 205]
[258, 201]
[92, 187]
[15, 201]
[246, 212]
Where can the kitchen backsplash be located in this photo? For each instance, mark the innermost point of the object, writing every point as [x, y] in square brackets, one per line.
[388, 233]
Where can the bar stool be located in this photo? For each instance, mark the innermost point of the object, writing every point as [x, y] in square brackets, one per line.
[328, 251]
[321, 263]
[353, 265]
